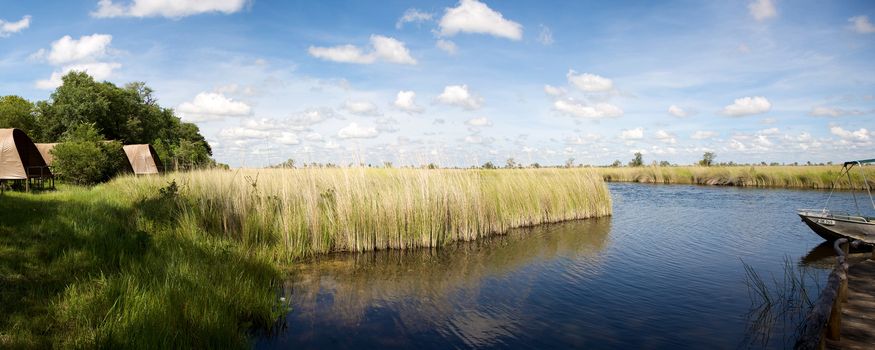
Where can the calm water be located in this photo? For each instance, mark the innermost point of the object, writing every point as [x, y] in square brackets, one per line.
[665, 271]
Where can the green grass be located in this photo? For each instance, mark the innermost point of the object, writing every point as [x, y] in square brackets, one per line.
[816, 177]
[136, 263]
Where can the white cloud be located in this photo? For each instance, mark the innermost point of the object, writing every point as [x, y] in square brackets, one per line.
[330, 144]
[9, 28]
[762, 9]
[545, 37]
[166, 8]
[287, 138]
[97, 70]
[589, 82]
[747, 106]
[459, 95]
[578, 109]
[860, 135]
[406, 101]
[482, 121]
[313, 136]
[677, 111]
[365, 108]
[263, 124]
[472, 16]
[862, 25]
[665, 136]
[413, 16]
[212, 106]
[238, 133]
[382, 48]
[354, 131]
[479, 140]
[632, 134]
[554, 91]
[448, 46]
[309, 117]
[583, 139]
[87, 48]
[703, 135]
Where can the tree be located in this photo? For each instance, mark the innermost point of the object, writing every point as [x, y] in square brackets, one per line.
[84, 158]
[16, 112]
[488, 165]
[569, 162]
[638, 160]
[536, 165]
[287, 164]
[707, 159]
[617, 163]
[664, 163]
[510, 163]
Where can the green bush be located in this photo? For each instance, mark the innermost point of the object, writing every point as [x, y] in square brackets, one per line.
[84, 158]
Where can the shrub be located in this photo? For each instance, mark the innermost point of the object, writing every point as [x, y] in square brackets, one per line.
[84, 158]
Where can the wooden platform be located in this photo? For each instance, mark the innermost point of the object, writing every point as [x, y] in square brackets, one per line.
[858, 315]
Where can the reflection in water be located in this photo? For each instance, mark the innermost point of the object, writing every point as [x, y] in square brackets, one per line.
[428, 287]
[664, 272]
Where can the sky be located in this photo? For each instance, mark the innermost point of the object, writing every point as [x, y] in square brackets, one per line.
[459, 83]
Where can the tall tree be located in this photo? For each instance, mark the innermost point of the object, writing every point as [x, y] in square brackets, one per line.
[16, 112]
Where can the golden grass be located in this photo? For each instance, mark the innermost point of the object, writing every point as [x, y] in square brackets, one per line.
[818, 177]
[301, 212]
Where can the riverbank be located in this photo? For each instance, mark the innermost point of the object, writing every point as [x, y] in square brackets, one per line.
[195, 259]
[814, 177]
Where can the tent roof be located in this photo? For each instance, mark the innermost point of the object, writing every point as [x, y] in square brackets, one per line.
[45, 150]
[142, 158]
[19, 157]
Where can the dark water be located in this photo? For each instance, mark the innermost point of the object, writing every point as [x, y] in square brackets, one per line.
[665, 272]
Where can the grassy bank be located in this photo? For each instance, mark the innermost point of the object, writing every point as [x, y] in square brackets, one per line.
[194, 259]
[818, 177]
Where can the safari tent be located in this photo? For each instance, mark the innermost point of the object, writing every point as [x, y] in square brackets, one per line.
[20, 159]
[45, 150]
[143, 159]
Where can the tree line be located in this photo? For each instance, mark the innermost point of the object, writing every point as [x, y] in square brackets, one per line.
[85, 113]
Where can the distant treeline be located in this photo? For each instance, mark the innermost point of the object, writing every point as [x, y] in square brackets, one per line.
[129, 114]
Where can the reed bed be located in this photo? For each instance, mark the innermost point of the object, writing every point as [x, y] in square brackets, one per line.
[301, 212]
[815, 177]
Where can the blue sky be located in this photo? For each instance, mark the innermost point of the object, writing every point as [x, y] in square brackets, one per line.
[463, 82]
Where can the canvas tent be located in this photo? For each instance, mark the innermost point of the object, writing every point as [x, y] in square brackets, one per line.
[19, 157]
[142, 158]
[45, 150]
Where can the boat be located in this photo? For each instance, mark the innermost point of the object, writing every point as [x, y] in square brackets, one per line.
[832, 225]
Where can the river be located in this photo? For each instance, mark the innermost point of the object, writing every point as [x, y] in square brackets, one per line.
[664, 272]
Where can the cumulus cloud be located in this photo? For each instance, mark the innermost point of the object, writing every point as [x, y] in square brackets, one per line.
[861, 24]
[632, 134]
[747, 106]
[479, 140]
[67, 50]
[239, 133]
[448, 46]
[482, 121]
[665, 136]
[382, 48]
[405, 101]
[677, 111]
[703, 135]
[165, 8]
[9, 28]
[472, 16]
[413, 16]
[581, 110]
[208, 106]
[305, 119]
[583, 139]
[554, 91]
[833, 112]
[860, 135]
[97, 70]
[762, 9]
[587, 82]
[364, 108]
[287, 138]
[459, 95]
[354, 131]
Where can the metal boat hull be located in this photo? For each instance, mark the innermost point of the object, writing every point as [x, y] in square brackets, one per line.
[832, 227]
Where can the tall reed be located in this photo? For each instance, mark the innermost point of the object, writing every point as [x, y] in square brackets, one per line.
[300, 212]
[817, 177]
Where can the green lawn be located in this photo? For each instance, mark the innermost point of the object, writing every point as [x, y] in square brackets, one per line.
[84, 268]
